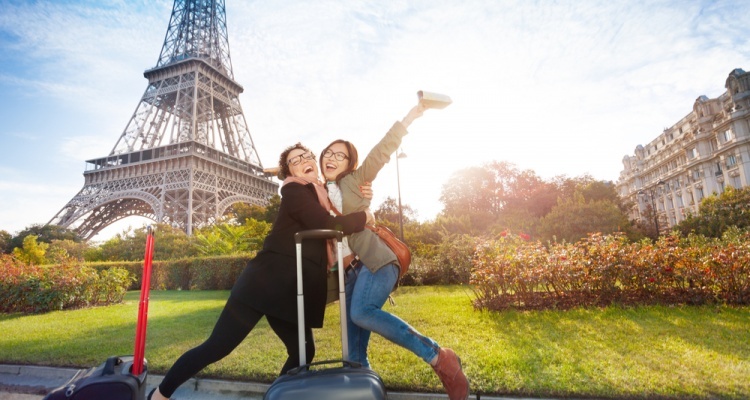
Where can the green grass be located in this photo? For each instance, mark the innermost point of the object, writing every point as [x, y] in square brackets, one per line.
[644, 352]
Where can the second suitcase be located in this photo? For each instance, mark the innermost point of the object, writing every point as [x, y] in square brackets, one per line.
[330, 380]
[111, 380]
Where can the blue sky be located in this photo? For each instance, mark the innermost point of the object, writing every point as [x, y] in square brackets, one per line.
[558, 87]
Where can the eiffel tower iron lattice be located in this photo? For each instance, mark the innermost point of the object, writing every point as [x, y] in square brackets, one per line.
[186, 155]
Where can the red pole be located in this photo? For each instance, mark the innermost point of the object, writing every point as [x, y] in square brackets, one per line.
[140, 329]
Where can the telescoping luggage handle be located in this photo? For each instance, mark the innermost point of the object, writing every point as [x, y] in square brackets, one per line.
[320, 234]
[140, 328]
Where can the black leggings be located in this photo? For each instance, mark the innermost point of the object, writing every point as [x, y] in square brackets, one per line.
[234, 324]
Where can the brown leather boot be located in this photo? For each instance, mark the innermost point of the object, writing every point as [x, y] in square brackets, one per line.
[448, 369]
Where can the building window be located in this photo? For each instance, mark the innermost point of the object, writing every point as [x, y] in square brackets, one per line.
[699, 194]
[692, 153]
[731, 160]
[726, 136]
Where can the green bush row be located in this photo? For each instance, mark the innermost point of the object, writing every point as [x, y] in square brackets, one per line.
[195, 273]
[30, 288]
[601, 270]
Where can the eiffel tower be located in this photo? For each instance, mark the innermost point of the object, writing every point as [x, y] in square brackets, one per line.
[186, 155]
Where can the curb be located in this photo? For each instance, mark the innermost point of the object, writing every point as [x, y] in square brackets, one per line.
[36, 379]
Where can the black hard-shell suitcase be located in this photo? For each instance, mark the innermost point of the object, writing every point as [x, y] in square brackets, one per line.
[348, 380]
[120, 377]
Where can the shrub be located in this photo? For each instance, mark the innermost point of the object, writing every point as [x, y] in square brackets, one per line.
[605, 269]
[447, 263]
[33, 289]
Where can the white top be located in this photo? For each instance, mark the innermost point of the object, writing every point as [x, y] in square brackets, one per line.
[334, 194]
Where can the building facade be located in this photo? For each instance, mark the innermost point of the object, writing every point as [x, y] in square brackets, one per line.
[702, 154]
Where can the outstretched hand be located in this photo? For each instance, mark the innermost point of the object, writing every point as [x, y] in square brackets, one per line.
[413, 114]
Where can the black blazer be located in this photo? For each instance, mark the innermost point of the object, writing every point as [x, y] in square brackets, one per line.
[269, 282]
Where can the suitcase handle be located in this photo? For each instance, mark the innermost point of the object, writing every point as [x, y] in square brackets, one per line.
[109, 365]
[317, 234]
[320, 234]
[302, 368]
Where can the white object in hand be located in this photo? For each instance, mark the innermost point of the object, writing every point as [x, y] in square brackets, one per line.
[433, 100]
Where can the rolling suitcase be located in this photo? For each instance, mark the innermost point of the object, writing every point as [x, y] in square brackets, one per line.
[344, 381]
[119, 377]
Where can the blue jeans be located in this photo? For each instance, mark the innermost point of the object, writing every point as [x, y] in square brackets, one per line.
[365, 295]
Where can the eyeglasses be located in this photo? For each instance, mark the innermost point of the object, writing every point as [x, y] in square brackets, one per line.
[298, 159]
[338, 155]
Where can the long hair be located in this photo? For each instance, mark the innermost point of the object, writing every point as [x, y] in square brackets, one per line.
[353, 158]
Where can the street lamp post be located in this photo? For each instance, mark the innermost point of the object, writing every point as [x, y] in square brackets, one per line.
[401, 154]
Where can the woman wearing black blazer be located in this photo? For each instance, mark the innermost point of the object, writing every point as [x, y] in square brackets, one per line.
[267, 286]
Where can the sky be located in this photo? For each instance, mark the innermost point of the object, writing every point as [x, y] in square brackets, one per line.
[557, 87]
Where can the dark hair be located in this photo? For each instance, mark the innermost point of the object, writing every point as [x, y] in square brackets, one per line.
[353, 158]
[284, 171]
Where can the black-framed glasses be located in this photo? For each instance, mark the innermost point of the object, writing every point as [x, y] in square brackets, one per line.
[338, 155]
[298, 159]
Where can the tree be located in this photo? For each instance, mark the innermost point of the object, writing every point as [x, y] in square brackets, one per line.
[31, 252]
[388, 212]
[45, 234]
[5, 239]
[130, 245]
[574, 218]
[717, 213]
[60, 250]
[231, 239]
[496, 194]
[242, 211]
[475, 191]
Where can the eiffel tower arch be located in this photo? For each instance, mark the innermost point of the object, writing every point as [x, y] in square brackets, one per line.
[186, 155]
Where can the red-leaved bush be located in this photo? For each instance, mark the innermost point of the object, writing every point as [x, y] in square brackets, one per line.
[510, 272]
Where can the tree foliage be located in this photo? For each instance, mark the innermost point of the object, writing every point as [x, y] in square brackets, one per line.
[717, 213]
[388, 212]
[130, 245]
[243, 211]
[5, 245]
[31, 252]
[498, 197]
[44, 234]
[227, 238]
[575, 218]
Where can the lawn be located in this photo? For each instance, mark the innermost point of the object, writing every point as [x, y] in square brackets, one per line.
[644, 352]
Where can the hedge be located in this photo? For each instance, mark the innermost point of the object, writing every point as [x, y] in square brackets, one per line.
[204, 273]
[34, 289]
[602, 270]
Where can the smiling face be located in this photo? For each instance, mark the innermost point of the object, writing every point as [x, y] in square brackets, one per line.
[335, 160]
[302, 164]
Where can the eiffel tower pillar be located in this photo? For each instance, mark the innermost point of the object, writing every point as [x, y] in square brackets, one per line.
[186, 155]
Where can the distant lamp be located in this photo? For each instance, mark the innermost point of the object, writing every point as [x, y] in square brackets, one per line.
[401, 154]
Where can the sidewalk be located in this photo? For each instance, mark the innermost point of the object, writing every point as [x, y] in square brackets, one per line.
[27, 382]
